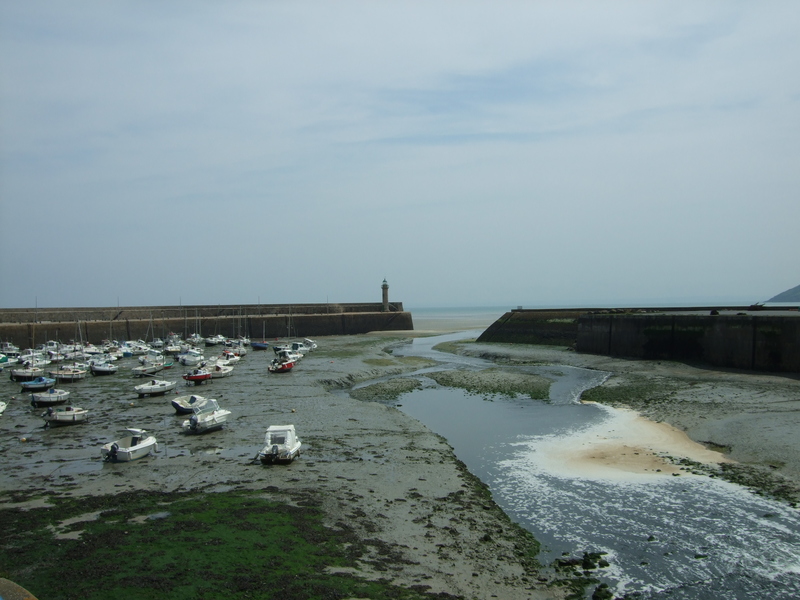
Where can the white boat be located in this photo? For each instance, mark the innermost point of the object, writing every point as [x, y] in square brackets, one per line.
[148, 368]
[64, 415]
[2, 406]
[69, 373]
[206, 416]
[99, 366]
[26, 373]
[191, 357]
[184, 405]
[134, 446]
[215, 340]
[227, 358]
[51, 397]
[155, 387]
[9, 349]
[281, 445]
[218, 371]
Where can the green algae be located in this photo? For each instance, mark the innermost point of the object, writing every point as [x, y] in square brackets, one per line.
[146, 545]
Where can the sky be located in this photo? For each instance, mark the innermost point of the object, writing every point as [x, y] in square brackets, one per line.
[536, 154]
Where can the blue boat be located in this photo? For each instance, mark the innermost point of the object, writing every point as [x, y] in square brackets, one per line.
[38, 384]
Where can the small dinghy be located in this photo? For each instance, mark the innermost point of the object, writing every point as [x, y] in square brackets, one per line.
[134, 446]
[64, 415]
[40, 384]
[51, 397]
[207, 416]
[281, 445]
[155, 387]
[184, 405]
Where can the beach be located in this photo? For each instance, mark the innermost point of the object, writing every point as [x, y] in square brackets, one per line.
[425, 523]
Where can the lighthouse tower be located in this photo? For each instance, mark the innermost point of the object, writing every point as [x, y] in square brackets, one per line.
[385, 290]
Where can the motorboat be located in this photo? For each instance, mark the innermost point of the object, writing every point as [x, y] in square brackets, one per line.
[228, 358]
[155, 387]
[39, 384]
[69, 373]
[7, 361]
[280, 366]
[102, 367]
[2, 406]
[259, 345]
[9, 349]
[281, 444]
[215, 340]
[184, 405]
[131, 447]
[64, 415]
[207, 416]
[191, 357]
[197, 376]
[218, 371]
[310, 344]
[51, 397]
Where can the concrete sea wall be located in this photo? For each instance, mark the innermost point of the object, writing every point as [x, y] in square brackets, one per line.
[28, 328]
[733, 337]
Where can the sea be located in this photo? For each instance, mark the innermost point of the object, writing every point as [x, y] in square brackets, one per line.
[688, 537]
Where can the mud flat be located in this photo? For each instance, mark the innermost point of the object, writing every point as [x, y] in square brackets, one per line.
[403, 511]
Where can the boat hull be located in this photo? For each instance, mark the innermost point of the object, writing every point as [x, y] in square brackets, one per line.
[51, 397]
[157, 388]
[64, 416]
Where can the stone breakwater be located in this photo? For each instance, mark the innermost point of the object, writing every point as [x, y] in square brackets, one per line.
[28, 328]
[751, 338]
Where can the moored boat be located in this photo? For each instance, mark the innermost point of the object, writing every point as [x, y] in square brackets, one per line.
[280, 366]
[51, 397]
[155, 387]
[148, 368]
[281, 444]
[39, 384]
[207, 416]
[69, 373]
[184, 405]
[131, 447]
[102, 367]
[218, 371]
[66, 415]
[197, 376]
[26, 373]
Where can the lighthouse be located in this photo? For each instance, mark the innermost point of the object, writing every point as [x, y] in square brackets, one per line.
[385, 290]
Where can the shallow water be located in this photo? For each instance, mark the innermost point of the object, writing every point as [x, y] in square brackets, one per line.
[688, 537]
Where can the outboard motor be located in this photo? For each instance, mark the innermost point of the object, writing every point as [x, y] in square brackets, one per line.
[275, 451]
[193, 422]
[112, 453]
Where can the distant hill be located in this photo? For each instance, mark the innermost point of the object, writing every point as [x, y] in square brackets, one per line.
[792, 295]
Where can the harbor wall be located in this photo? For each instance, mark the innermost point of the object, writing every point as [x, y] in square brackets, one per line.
[28, 328]
[732, 337]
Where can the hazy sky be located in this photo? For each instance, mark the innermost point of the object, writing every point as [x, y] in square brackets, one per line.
[471, 153]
